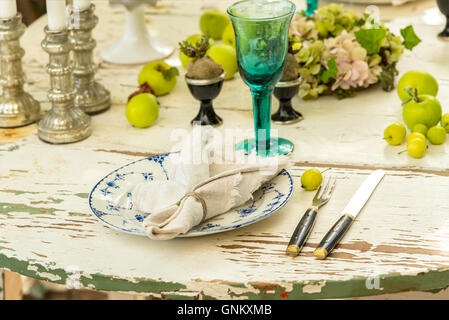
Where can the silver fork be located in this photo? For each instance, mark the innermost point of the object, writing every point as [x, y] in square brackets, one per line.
[304, 226]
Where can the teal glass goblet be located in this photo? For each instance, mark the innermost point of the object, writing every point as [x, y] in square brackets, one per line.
[312, 5]
[261, 38]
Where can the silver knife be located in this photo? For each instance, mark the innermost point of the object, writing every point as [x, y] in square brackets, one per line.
[350, 212]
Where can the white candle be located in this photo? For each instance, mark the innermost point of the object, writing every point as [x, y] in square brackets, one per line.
[57, 15]
[81, 5]
[8, 9]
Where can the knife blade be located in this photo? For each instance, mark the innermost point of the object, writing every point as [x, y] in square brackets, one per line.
[350, 212]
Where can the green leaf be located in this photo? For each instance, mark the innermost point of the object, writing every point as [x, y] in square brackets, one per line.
[170, 73]
[370, 39]
[332, 71]
[410, 38]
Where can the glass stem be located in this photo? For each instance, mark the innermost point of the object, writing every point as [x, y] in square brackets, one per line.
[262, 120]
[312, 5]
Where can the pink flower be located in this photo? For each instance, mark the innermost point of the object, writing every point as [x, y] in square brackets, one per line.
[353, 70]
[303, 28]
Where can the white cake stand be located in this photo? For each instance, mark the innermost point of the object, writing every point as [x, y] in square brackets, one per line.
[136, 45]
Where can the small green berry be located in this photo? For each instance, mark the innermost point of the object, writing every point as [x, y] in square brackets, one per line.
[436, 135]
[421, 128]
[311, 179]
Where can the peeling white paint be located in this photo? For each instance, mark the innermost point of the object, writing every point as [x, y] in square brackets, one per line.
[48, 276]
[32, 267]
[313, 288]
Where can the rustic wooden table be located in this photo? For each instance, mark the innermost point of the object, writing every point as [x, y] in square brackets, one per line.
[399, 242]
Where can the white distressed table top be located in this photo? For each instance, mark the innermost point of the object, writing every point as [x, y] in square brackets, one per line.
[47, 232]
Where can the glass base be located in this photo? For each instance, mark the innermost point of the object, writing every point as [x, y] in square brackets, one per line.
[278, 146]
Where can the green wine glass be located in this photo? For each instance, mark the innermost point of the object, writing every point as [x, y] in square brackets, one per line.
[261, 38]
[312, 5]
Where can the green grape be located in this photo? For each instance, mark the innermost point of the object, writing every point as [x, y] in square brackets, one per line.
[436, 135]
[416, 148]
[311, 179]
[421, 128]
[414, 136]
[395, 133]
[445, 121]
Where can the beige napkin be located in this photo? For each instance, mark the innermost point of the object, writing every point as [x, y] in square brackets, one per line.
[189, 167]
[214, 196]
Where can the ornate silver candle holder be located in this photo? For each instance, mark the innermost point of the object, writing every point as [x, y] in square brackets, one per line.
[17, 108]
[65, 122]
[91, 96]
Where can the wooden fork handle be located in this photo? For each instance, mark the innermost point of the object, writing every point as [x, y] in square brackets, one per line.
[302, 232]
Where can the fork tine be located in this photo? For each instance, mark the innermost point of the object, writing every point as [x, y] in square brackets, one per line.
[322, 188]
[331, 189]
[328, 180]
[317, 194]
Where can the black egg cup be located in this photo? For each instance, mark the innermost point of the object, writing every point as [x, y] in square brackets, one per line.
[443, 5]
[284, 92]
[444, 35]
[206, 90]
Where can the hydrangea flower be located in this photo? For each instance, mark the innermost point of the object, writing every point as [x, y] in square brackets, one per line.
[341, 51]
[351, 59]
[303, 28]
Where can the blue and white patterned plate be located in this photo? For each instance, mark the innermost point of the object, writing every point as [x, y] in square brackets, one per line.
[111, 200]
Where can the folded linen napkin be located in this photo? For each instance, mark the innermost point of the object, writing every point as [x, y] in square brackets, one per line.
[210, 198]
[189, 167]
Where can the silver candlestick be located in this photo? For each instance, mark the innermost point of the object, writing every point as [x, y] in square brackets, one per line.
[65, 122]
[17, 108]
[91, 96]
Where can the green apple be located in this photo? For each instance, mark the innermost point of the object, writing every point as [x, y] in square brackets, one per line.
[225, 56]
[423, 81]
[142, 110]
[445, 121]
[421, 128]
[395, 133]
[160, 76]
[193, 40]
[416, 135]
[213, 22]
[436, 135]
[228, 36]
[424, 109]
[311, 179]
